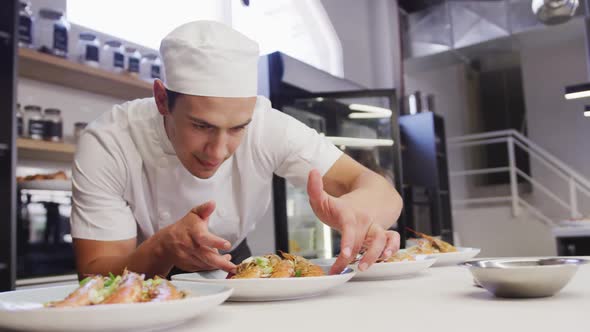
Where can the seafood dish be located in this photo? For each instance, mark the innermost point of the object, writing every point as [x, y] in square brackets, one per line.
[427, 245]
[274, 266]
[128, 288]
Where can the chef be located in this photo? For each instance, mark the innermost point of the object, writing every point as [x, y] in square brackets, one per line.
[178, 181]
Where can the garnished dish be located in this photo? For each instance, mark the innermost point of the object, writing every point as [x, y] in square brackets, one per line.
[427, 245]
[127, 288]
[274, 266]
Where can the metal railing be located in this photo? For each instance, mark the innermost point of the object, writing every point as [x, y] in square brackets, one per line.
[513, 139]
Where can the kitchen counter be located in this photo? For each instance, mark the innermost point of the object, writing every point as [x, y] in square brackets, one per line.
[441, 299]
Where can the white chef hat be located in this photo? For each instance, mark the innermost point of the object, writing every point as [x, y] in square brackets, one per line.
[208, 58]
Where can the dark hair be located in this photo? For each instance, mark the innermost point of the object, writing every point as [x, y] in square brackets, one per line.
[172, 96]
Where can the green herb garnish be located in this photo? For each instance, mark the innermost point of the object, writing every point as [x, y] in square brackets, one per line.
[85, 281]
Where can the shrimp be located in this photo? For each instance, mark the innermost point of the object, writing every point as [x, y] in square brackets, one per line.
[438, 244]
[81, 296]
[283, 269]
[303, 267]
[128, 291]
[163, 290]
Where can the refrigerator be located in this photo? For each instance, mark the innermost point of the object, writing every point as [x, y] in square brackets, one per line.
[362, 123]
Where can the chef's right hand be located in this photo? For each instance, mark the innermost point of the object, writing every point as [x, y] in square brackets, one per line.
[191, 247]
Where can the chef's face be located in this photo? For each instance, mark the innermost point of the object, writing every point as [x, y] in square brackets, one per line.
[206, 131]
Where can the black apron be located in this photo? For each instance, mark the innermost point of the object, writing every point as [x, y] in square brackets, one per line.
[241, 252]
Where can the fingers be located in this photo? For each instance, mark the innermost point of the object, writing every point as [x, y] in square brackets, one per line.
[203, 238]
[204, 210]
[346, 252]
[216, 261]
[391, 244]
[375, 248]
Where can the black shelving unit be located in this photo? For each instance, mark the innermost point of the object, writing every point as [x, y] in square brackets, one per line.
[8, 63]
[427, 196]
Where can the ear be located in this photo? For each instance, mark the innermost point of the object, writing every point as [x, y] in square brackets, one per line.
[161, 97]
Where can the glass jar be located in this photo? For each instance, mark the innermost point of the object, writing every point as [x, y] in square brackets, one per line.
[78, 128]
[53, 31]
[133, 58]
[150, 67]
[112, 58]
[25, 24]
[19, 121]
[53, 125]
[88, 49]
[34, 122]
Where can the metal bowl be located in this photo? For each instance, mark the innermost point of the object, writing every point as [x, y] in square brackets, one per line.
[524, 277]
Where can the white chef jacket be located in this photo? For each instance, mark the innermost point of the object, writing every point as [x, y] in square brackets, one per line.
[128, 182]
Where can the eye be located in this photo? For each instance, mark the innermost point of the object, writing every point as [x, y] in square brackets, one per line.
[237, 129]
[201, 126]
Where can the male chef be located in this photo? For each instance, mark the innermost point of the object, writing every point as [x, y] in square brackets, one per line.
[178, 181]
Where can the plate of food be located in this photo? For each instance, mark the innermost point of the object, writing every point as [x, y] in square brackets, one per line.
[272, 278]
[54, 181]
[444, 252]
[399, 265]
[113, 303]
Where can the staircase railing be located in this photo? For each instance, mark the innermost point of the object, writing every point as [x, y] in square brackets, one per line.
[575, 181]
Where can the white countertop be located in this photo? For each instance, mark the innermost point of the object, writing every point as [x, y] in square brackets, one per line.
[441, 299]
[572, 231]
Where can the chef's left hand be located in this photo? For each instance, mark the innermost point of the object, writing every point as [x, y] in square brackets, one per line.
[357, 229]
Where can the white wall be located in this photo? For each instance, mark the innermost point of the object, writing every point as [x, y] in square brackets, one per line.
[556, 124]
[366, 29]
[493, 229]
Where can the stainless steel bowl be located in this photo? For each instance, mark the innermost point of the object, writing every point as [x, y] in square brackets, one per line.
[524, 277]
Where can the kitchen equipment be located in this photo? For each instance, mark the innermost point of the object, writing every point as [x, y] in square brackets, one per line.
[524, 277]
[88, 49]
[35, 125]
[23, 310]
[113, 57]
[552, 12]
[133, 58]
[150, 67]
[52, 32]
[25, 24]
[53, 125]
[384, 271]
[269, 289]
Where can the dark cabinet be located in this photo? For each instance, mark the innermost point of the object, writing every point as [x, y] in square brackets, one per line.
[426, 192]
[8, 47]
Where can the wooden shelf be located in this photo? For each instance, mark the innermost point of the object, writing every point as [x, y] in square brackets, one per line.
[51, 69]
[35, 149]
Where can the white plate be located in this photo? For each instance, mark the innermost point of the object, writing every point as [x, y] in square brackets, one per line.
[452, 258]
[267, 289]
[23, 310]
[381, 271]
[64, 185]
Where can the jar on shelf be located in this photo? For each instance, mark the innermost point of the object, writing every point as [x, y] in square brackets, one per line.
[78, 128]
[88, 49]
[53, 31]
[19, 121]
[133, 58]
[35, 124]
[113, 58]
[53, 125]
[150, 67]
[25, 24]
